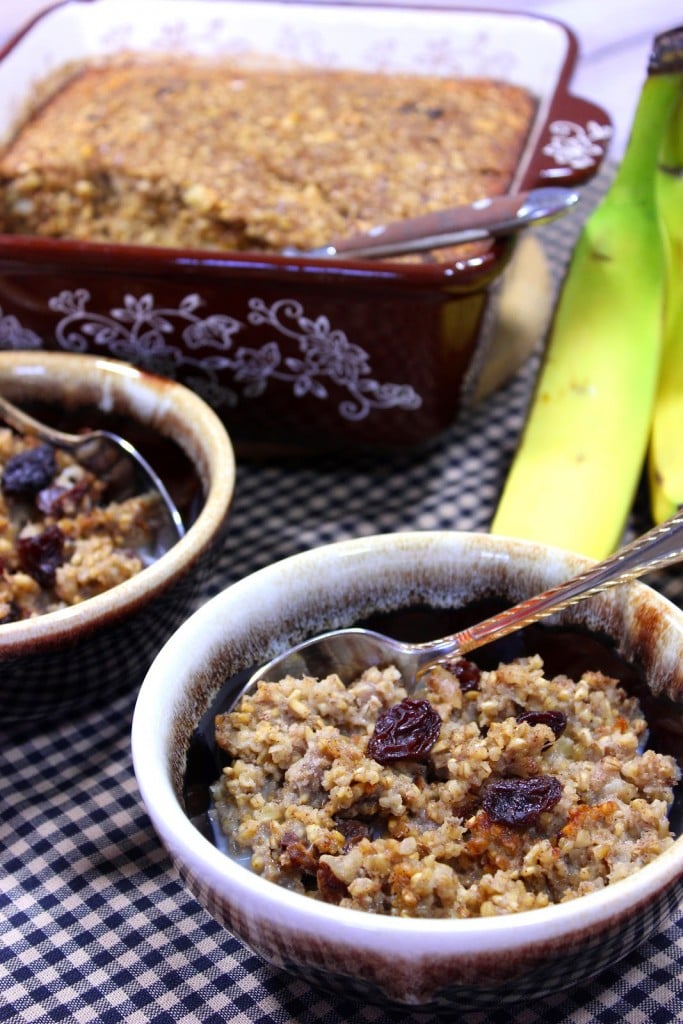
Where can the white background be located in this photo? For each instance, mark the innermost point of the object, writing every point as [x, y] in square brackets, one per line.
[614, 39]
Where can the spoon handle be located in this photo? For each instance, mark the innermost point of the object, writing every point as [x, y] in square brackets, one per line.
[25, 424]
[661, 546]
[495, 216]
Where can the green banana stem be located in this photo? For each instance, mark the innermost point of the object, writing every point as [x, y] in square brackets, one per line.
[649, 130]
[581, 455]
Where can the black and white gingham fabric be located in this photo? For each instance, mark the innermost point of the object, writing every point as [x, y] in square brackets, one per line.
[95, 926]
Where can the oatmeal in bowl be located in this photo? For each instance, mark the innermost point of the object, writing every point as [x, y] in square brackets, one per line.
[64, 537]
[86, 600]
[485, 792]
[509, 830]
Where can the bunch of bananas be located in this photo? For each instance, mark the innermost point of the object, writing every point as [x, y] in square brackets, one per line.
[611, 384]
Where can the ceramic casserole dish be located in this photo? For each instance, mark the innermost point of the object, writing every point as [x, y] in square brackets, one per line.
[293, 351]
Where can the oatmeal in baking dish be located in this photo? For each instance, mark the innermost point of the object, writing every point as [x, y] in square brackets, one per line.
[61, 539]
[486, 792]
[197, 153]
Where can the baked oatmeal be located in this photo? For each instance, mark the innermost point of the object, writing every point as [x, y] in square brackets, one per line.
[486, 792]
[206, 154]
[61, 539]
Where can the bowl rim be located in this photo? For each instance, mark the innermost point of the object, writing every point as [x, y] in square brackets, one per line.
[33, 634]
[195, 854]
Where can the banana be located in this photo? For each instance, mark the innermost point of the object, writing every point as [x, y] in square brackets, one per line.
[665, 455]
[580, 458]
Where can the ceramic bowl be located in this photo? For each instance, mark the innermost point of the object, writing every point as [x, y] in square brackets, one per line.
[294, 352]
[448, 965]
[65, 661]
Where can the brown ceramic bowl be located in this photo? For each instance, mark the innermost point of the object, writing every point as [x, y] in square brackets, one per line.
[445, 965]
[63, 662]
[295, 352]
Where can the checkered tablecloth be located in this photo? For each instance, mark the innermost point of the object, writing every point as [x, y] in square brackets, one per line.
[96, 927]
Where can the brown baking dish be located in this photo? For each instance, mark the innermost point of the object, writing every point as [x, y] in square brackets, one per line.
[291, 351]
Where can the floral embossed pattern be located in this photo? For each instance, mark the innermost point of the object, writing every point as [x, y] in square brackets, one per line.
[309, 354]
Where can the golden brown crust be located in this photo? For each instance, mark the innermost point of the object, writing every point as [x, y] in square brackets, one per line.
[204, 155]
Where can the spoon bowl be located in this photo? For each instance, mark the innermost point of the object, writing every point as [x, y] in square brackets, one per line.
[115, 461]
[348, 652]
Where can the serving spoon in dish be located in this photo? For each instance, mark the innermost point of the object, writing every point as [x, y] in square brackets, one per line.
[485, 218]
[113, 459]
[348, 652]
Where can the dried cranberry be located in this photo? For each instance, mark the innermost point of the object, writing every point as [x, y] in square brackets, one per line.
[466, 672]
[555, 720]
[29, 472]
[40, 555]
[520, 802]
[406, 730]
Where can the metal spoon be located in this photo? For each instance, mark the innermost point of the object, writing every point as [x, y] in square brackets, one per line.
[114, 460]
[496, 216]
[349, 651]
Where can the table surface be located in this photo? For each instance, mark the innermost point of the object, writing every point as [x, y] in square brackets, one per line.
[95, 925]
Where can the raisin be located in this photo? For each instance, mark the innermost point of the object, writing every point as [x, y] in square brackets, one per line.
[297, 855]
[520, 802]
[411, 107]
[353, 831]
[331, 888]
[62, 501]
[466, 672]
[40, 555]
[29, 472]
[555, 720]
[13, 614]
[406, 730]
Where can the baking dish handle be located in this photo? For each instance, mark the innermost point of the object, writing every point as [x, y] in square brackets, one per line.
[572, 144]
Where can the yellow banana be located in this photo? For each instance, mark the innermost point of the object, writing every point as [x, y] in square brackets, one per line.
[582, 450]
[665, 456]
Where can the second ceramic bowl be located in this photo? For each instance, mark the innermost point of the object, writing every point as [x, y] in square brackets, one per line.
[418, 582]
